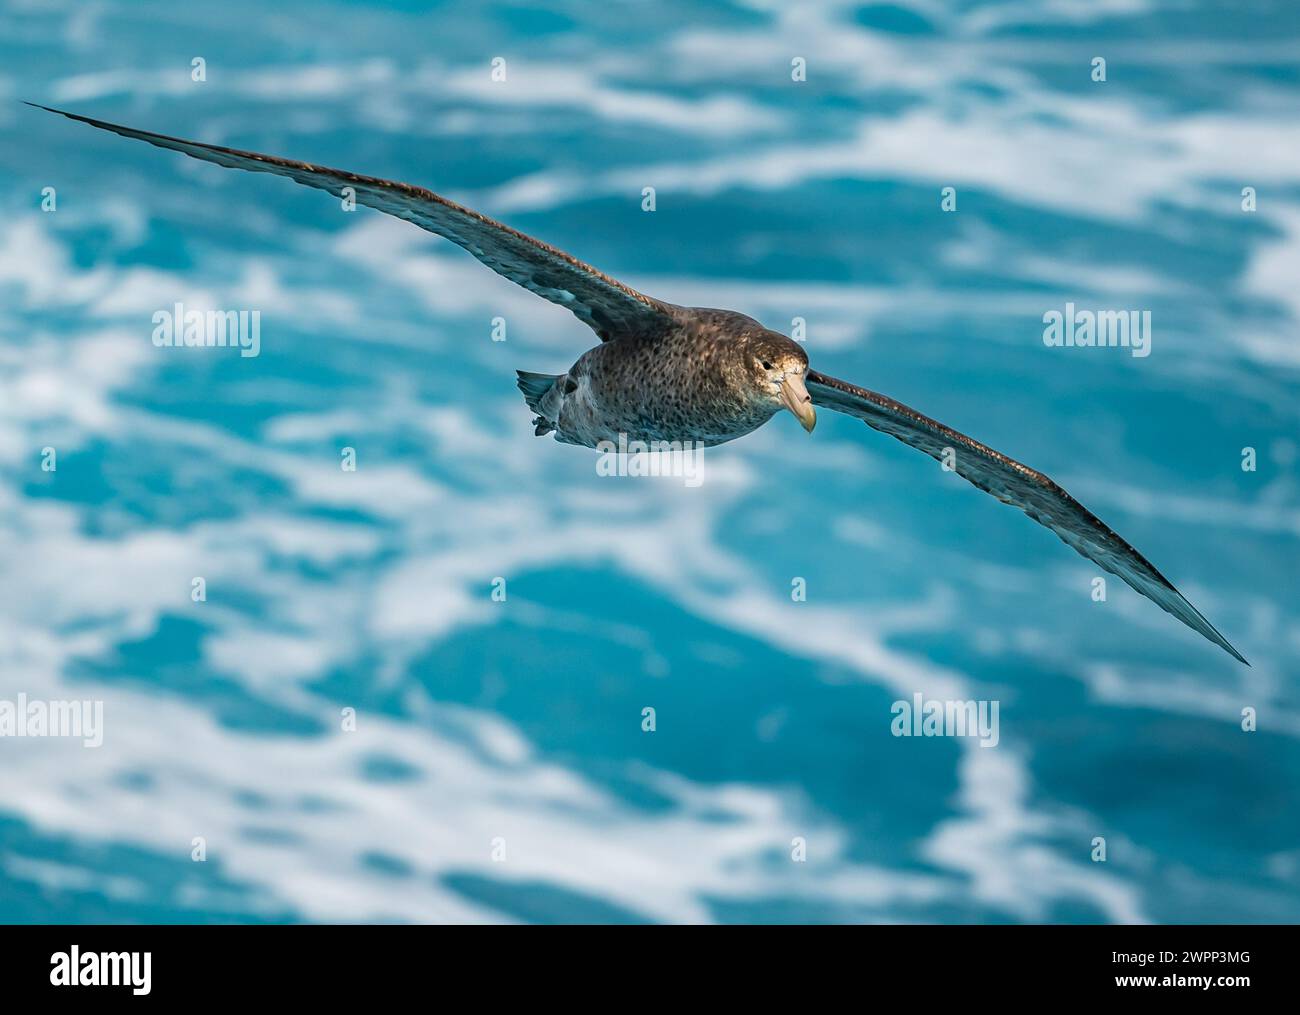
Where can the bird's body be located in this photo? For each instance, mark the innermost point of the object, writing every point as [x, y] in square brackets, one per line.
[665, 373]
[685, 384]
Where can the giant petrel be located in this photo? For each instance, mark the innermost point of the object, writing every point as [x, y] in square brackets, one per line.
[669, 373]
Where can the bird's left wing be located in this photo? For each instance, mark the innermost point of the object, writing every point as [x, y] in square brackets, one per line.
[1018, 485]
[604, 303]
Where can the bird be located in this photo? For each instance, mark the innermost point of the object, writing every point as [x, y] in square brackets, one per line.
[664, 373]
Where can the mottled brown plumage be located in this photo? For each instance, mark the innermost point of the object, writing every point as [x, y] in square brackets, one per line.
[700, 379]
[669, 373]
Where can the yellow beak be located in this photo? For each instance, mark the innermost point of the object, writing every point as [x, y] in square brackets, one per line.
[798, 401]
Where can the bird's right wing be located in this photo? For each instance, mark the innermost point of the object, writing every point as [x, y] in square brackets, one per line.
[1018, 485]
[607, 305]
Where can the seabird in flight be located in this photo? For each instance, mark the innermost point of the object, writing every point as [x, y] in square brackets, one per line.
[669, 373]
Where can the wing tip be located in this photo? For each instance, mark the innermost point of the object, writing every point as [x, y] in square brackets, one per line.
[1233, 652]
[1209, 631]
[60, 112]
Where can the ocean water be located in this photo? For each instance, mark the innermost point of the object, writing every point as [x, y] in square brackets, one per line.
[498, 769]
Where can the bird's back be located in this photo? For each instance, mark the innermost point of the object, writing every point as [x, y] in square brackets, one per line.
[680, 385]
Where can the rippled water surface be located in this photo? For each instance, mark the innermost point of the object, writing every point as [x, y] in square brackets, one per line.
[514, 727]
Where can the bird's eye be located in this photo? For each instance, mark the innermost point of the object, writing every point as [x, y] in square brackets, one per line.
[767, 365]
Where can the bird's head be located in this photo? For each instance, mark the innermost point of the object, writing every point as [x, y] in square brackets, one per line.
[775, 366]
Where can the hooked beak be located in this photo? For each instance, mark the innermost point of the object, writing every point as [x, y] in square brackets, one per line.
[798, 401]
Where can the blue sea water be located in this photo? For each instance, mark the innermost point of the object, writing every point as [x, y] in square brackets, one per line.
[498, 769]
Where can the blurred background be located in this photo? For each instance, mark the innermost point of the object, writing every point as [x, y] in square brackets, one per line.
[514, 727]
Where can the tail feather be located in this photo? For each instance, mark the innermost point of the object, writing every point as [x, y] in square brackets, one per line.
[538, 392]
[535, 387]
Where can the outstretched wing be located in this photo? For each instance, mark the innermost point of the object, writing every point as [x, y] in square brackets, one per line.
[1012, 483]
[609, 307]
